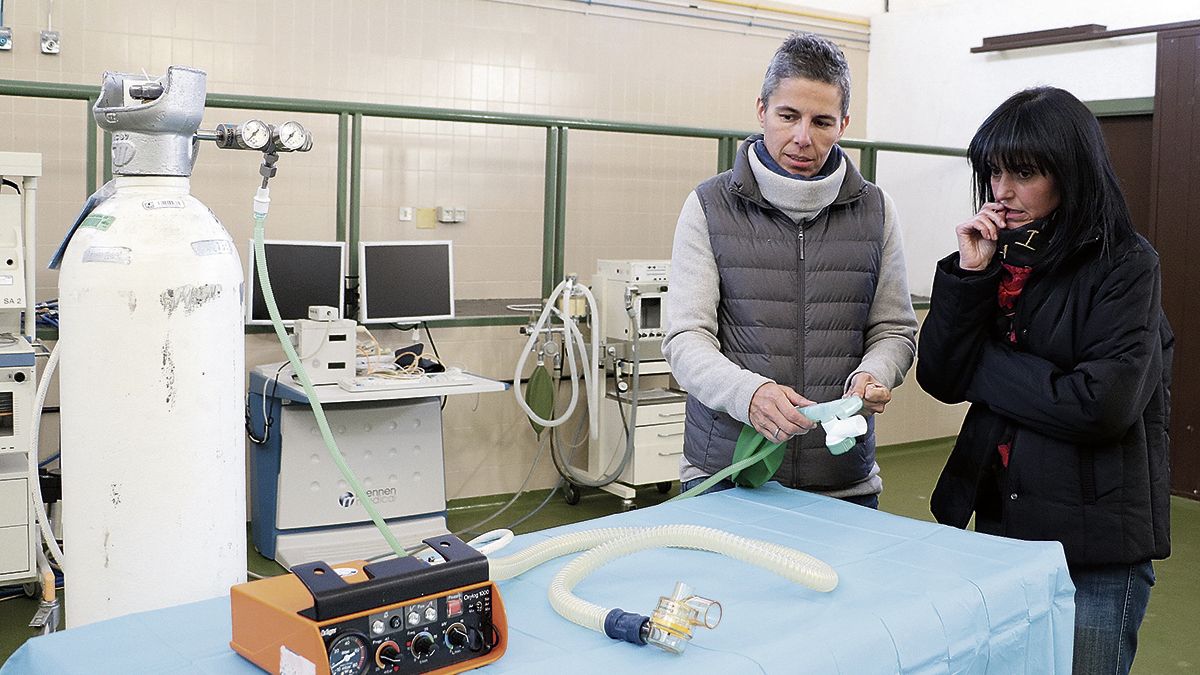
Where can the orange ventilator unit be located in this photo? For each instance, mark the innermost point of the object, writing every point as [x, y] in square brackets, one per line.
[402, 615]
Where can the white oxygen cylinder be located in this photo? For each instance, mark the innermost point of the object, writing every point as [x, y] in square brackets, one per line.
[151, 374]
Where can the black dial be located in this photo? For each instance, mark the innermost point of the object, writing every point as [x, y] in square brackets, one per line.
[423, 645]
[388, 655]
[456, 636]
[348, 655]
[475, 639]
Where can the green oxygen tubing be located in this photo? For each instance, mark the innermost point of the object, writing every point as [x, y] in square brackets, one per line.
[262, 201]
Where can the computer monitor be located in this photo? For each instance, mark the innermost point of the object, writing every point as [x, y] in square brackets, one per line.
[405, 281]
[303, 273]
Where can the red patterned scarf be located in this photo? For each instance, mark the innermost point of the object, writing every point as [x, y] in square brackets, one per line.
[1017, 249]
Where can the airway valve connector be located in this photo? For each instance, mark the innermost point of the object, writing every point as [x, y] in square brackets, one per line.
[672, 621]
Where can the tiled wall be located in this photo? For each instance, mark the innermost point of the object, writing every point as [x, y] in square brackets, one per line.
[624, 191]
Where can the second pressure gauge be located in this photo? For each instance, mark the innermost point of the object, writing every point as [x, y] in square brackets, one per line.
[292, 136]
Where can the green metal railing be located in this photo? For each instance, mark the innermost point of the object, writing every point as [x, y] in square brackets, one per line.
[349, 171]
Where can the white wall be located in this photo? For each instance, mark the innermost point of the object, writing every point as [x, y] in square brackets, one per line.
[842, 7]
[927, 88]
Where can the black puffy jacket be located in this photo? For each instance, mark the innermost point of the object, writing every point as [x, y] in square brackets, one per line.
[1083, 394]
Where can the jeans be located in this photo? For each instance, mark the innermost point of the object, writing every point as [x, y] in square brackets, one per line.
[1110, 602]
[869, 501]
[722, 485]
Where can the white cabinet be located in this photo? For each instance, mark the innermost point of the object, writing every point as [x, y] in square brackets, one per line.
[17, 562]
[657, 444]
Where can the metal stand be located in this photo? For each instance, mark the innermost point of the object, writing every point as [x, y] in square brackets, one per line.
[47, 617]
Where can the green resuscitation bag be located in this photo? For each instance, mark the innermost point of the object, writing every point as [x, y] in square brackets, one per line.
[750, 444]
[539, 395]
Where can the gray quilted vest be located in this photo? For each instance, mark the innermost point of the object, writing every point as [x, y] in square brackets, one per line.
[767, 265]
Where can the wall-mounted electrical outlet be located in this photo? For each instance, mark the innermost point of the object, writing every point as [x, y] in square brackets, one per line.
[451, 214]
[406, 214]
[5, 38]
[50, 42]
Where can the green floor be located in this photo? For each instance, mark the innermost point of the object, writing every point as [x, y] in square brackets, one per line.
[1168, 644]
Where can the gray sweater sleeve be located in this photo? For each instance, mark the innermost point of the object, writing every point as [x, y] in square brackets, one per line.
[690, 345]
[890, 338]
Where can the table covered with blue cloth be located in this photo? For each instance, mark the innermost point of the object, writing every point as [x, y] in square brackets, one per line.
[912, 597]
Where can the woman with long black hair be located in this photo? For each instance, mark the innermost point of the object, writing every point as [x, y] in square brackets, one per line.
[1048, 320]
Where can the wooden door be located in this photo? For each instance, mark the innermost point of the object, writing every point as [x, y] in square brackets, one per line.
[1174, 222]
[1129, 139]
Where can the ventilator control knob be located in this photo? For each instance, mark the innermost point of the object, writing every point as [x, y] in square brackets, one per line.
[388, 655]
[422, 645]
[456, 636]
[475, 640]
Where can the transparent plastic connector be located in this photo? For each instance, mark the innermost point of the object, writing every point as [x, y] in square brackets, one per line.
[670, 626]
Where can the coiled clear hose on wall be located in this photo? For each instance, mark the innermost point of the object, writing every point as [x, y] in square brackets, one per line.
[608, 544]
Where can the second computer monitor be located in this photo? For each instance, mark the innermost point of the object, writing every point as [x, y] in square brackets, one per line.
[405, 281]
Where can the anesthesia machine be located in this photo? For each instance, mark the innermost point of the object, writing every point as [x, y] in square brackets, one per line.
[636, 430]
[644, 423]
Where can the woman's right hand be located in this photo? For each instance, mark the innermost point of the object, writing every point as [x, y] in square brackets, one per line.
[977, 237]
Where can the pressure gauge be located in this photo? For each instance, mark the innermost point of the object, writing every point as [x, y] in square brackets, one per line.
[348, 655]
[292, 136]
[255, 134]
